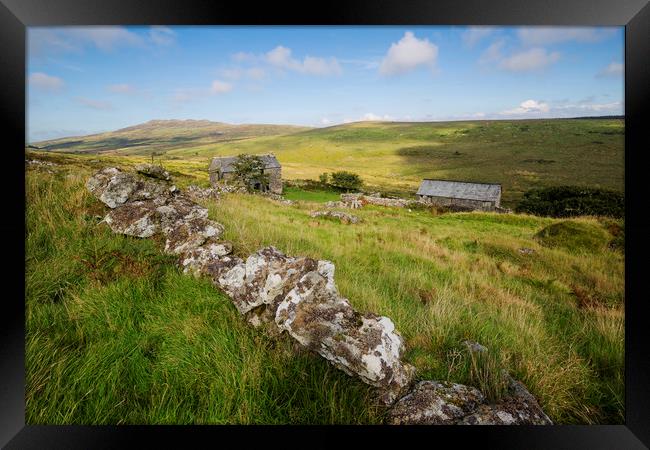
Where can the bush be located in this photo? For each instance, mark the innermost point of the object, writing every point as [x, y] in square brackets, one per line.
[249, 170]
[346, 180]
[574, 236]
[323, 177]
[569, 201]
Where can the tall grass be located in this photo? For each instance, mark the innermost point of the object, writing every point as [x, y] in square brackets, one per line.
[115, 334]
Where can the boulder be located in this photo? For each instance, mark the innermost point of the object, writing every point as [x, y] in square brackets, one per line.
[186, 234]
[364, 345]
[263, 279]
[153, 171]
[114, 187]
[518, 408]
[138, 219]
[435, 403]
[196, 260]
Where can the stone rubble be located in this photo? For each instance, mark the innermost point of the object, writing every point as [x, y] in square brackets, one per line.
[343, 217]
[444, 403]
[297, 295]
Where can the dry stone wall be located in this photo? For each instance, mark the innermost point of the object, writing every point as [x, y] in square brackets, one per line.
[297, 295]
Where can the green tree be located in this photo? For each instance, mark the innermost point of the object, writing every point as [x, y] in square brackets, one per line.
[324, 177]
[346, 180]
[249, 171]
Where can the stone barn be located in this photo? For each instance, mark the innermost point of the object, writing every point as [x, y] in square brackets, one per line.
[222, 170]
[461, 194]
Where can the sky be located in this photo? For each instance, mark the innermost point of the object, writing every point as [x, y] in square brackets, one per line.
[83, 80]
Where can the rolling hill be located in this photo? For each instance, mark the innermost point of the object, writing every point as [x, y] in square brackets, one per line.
[392, 157]
[162, 135]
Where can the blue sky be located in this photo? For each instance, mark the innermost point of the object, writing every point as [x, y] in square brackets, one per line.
[83, 80]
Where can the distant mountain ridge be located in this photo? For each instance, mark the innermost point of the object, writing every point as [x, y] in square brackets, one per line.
[162, 135]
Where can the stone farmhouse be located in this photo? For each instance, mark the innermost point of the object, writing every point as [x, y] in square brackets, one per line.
[461, 194]
[222, 170]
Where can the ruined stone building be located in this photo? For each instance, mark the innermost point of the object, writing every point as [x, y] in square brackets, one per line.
[222, 170]
[460, 194]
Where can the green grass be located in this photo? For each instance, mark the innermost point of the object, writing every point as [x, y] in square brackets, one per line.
[115, 334]
[396, 156]
[318, 196]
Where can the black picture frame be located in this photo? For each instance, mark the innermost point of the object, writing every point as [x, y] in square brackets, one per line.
[16, 15]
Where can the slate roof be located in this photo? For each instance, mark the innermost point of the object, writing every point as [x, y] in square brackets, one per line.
[460, 189]
[225, 163]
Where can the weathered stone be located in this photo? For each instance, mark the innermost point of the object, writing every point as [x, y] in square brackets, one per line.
[475, 347]
[264, 279]
[196, 260]
[153, 171]
[138, 219]
[180, 208]
[186, 235]
[435, 403]
[363, 345]
[343, 217]
[114, 187]
[519, 408]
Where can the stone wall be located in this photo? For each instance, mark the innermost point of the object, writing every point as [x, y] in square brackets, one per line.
[458, 203]
[298, 295]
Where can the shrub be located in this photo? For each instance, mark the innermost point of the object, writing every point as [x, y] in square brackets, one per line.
[573, 236]
[249, 169]
[323, 177]
[346, 180]
[569, 201]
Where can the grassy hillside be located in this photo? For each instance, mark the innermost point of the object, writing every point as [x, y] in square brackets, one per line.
[161, 136]
[115, 334]
[395, 157]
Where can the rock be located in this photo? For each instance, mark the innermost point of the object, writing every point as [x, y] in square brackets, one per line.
[343, 217]
[526, 251]
[138, 219]
[519, 408]
[196, 260]
[114, 187]
[198, 193]
[263, 279]
[153, 171]
[363, 345]
[475, 347]
[435, 403]
[189, 234]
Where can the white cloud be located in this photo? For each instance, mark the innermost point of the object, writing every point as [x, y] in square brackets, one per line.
[555, 35]
[161, 35]
[370, 117]
[45, 82]
[475, 34]
[220, 87]
[106, 38]
[527, 60]
[493, 53]
[280, 57]
[407, 54]
[613, 69]
[236, 73]
[527, 107]
[325, 121]
[243, 57]
[94, 104]
[121, 88]
[75, 39]
[614, 107]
